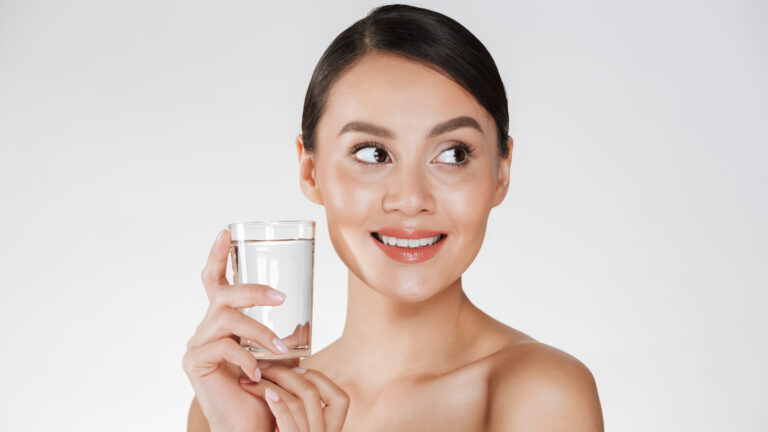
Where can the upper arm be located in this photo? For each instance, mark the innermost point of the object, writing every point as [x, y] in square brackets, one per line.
[544, 389]
[196, 422]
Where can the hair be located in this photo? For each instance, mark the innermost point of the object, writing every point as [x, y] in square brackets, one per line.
[417, 34]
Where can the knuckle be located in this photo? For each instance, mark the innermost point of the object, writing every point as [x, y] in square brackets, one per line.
[296, 406]
[343, 398]
[217, 300]
[220, 321]
[311, 394]
[186, 362]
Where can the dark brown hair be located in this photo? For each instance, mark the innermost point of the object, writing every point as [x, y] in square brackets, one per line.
[417, 34]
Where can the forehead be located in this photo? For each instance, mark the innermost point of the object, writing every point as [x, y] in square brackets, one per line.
[396, 92]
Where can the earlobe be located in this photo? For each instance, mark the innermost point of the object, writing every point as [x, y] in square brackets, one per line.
[307, 174]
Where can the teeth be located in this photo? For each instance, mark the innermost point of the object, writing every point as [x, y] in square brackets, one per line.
[409, 243]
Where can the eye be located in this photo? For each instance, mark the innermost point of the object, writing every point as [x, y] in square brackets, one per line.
[371, 154]
[456, 155]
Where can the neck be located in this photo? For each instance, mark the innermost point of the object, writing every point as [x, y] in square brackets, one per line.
[390, 340]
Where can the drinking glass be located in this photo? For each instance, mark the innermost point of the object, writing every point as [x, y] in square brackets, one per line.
[279, 254]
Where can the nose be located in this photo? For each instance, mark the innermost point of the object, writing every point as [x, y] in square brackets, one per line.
[408, 191]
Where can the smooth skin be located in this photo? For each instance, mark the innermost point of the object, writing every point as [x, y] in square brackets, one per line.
[415, 353]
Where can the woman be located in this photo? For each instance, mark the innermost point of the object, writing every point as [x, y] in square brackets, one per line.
[404, 137]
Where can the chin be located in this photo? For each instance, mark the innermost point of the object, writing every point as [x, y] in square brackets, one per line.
[406, 289]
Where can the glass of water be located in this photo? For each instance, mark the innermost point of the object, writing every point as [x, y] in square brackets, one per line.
[281, 255]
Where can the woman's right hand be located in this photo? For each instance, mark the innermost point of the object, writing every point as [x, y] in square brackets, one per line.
[214, 358]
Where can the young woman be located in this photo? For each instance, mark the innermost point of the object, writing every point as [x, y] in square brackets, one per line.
[404, 138]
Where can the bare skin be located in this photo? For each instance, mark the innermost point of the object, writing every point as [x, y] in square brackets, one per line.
[415, 353]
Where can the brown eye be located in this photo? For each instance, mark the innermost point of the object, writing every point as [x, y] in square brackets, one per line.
[380, 155]
[372, 155]
[454, 155]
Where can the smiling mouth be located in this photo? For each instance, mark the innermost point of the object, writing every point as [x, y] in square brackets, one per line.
[408, 243]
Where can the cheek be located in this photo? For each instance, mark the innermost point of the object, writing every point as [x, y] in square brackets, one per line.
[467, 204]
[350, 205]
[345, 196]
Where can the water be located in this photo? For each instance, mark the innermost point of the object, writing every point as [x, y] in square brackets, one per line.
[285, 265]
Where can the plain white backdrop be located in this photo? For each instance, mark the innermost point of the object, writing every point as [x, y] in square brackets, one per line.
[633, 235]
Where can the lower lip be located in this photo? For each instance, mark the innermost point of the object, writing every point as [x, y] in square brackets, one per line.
[410, 255]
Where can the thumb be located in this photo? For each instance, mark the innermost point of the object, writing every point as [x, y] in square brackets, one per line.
[214, 272]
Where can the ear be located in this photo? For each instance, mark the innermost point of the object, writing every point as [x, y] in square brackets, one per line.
[502, 185]
[307, 178]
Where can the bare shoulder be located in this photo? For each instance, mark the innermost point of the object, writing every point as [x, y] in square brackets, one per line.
[533, 386]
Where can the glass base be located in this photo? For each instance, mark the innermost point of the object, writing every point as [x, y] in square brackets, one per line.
[263, 353]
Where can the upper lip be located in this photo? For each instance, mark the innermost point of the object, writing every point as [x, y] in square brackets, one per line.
[405, 233]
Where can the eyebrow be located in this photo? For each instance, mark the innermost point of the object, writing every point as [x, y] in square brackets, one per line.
[439, 129]
[453, 124]
[358, 126]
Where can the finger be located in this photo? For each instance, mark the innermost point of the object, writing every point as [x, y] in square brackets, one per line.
[230, 322]
[306, 391]
[285, 407]
[214, 272]
[335, 398]
[203, 360]
[247, 295]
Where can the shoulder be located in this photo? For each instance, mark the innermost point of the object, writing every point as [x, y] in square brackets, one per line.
[534, 386]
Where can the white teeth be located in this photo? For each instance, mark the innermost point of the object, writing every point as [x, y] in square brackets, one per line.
[409, 243]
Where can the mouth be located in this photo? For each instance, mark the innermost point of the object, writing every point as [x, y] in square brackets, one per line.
[418, 247]
[409, 243]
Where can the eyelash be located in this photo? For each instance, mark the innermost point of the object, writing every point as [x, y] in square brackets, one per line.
[467, 149]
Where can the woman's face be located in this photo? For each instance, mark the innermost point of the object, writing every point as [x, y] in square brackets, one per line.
[401, 148]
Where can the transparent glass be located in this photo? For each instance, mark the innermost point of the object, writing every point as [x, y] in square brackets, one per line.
[279, 254]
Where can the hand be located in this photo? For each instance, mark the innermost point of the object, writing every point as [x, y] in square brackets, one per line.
[215, 361]
[302, 400]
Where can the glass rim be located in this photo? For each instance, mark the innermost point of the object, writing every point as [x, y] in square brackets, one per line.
[268, 223]
[273, 230]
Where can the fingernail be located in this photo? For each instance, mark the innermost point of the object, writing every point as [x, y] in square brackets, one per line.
[275, 295]
[264, 365]
[218, 237]
[272, 395]
[257, 375]
[279, 345]
[299, 370]
[245, 380]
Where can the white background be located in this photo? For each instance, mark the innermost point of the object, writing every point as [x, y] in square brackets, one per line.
[633, 235]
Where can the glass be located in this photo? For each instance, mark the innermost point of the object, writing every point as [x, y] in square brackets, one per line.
[281, 255]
